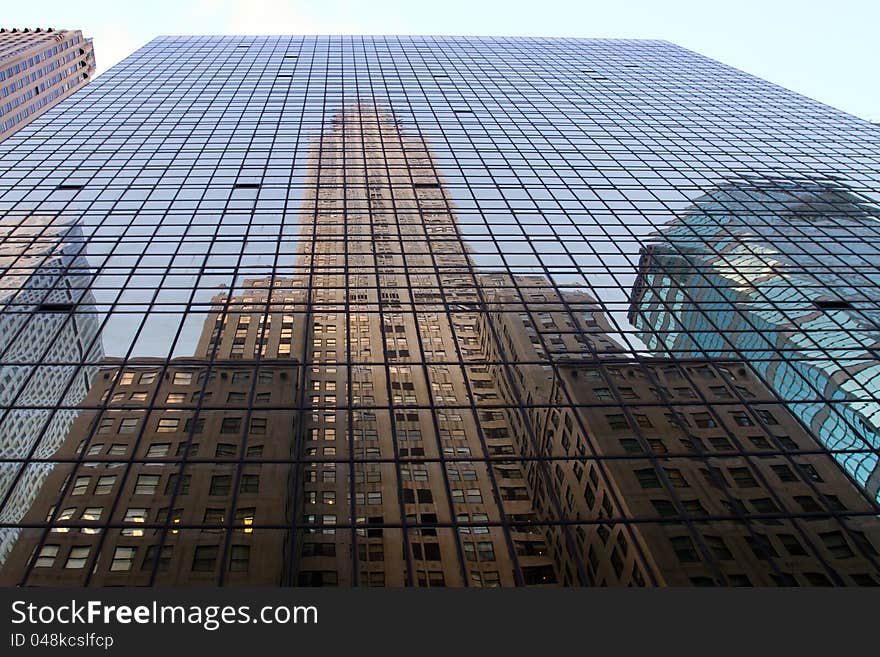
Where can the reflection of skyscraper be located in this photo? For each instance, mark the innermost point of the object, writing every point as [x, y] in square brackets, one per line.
[781, 273]
[186, 470]
[48, 336]
[383, 415]
[393, 295]
[633, 446]
[383, 453]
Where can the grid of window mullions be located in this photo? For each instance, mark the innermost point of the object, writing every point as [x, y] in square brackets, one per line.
[562, 168]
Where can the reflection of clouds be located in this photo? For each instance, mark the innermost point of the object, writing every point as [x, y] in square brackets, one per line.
[745, 271]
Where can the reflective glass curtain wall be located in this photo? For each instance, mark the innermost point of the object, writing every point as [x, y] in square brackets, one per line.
[438, 311]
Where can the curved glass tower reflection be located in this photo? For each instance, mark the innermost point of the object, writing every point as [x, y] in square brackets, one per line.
[783, 273]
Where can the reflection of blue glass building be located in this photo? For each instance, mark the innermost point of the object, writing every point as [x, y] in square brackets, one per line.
[782, 273]
[48, 332]
[444, 231]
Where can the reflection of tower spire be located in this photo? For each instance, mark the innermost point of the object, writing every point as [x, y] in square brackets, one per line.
[388, 265]
[372, 186]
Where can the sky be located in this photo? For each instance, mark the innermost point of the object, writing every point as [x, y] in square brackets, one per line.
[829, 51]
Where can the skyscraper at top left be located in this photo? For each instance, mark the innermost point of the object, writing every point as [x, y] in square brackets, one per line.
[37, 69]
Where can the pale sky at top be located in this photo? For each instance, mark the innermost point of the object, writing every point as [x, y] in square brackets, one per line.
[829, 51]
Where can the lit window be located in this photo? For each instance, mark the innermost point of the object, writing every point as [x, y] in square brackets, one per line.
[146, 484]
[182, 378]
[137, 516]
[77, 557]
[167, 425]
[91, 514]
[63, 517]
[123, 557]
[245, 518]
[46, 556]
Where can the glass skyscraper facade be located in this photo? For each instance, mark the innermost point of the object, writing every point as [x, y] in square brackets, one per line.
[438, 311]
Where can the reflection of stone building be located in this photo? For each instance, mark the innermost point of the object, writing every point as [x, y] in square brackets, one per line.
[184, 471]
[653, 442]
[185, 460]
[426, 425]
[782, 274]
[373, 445]
[48, 336]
